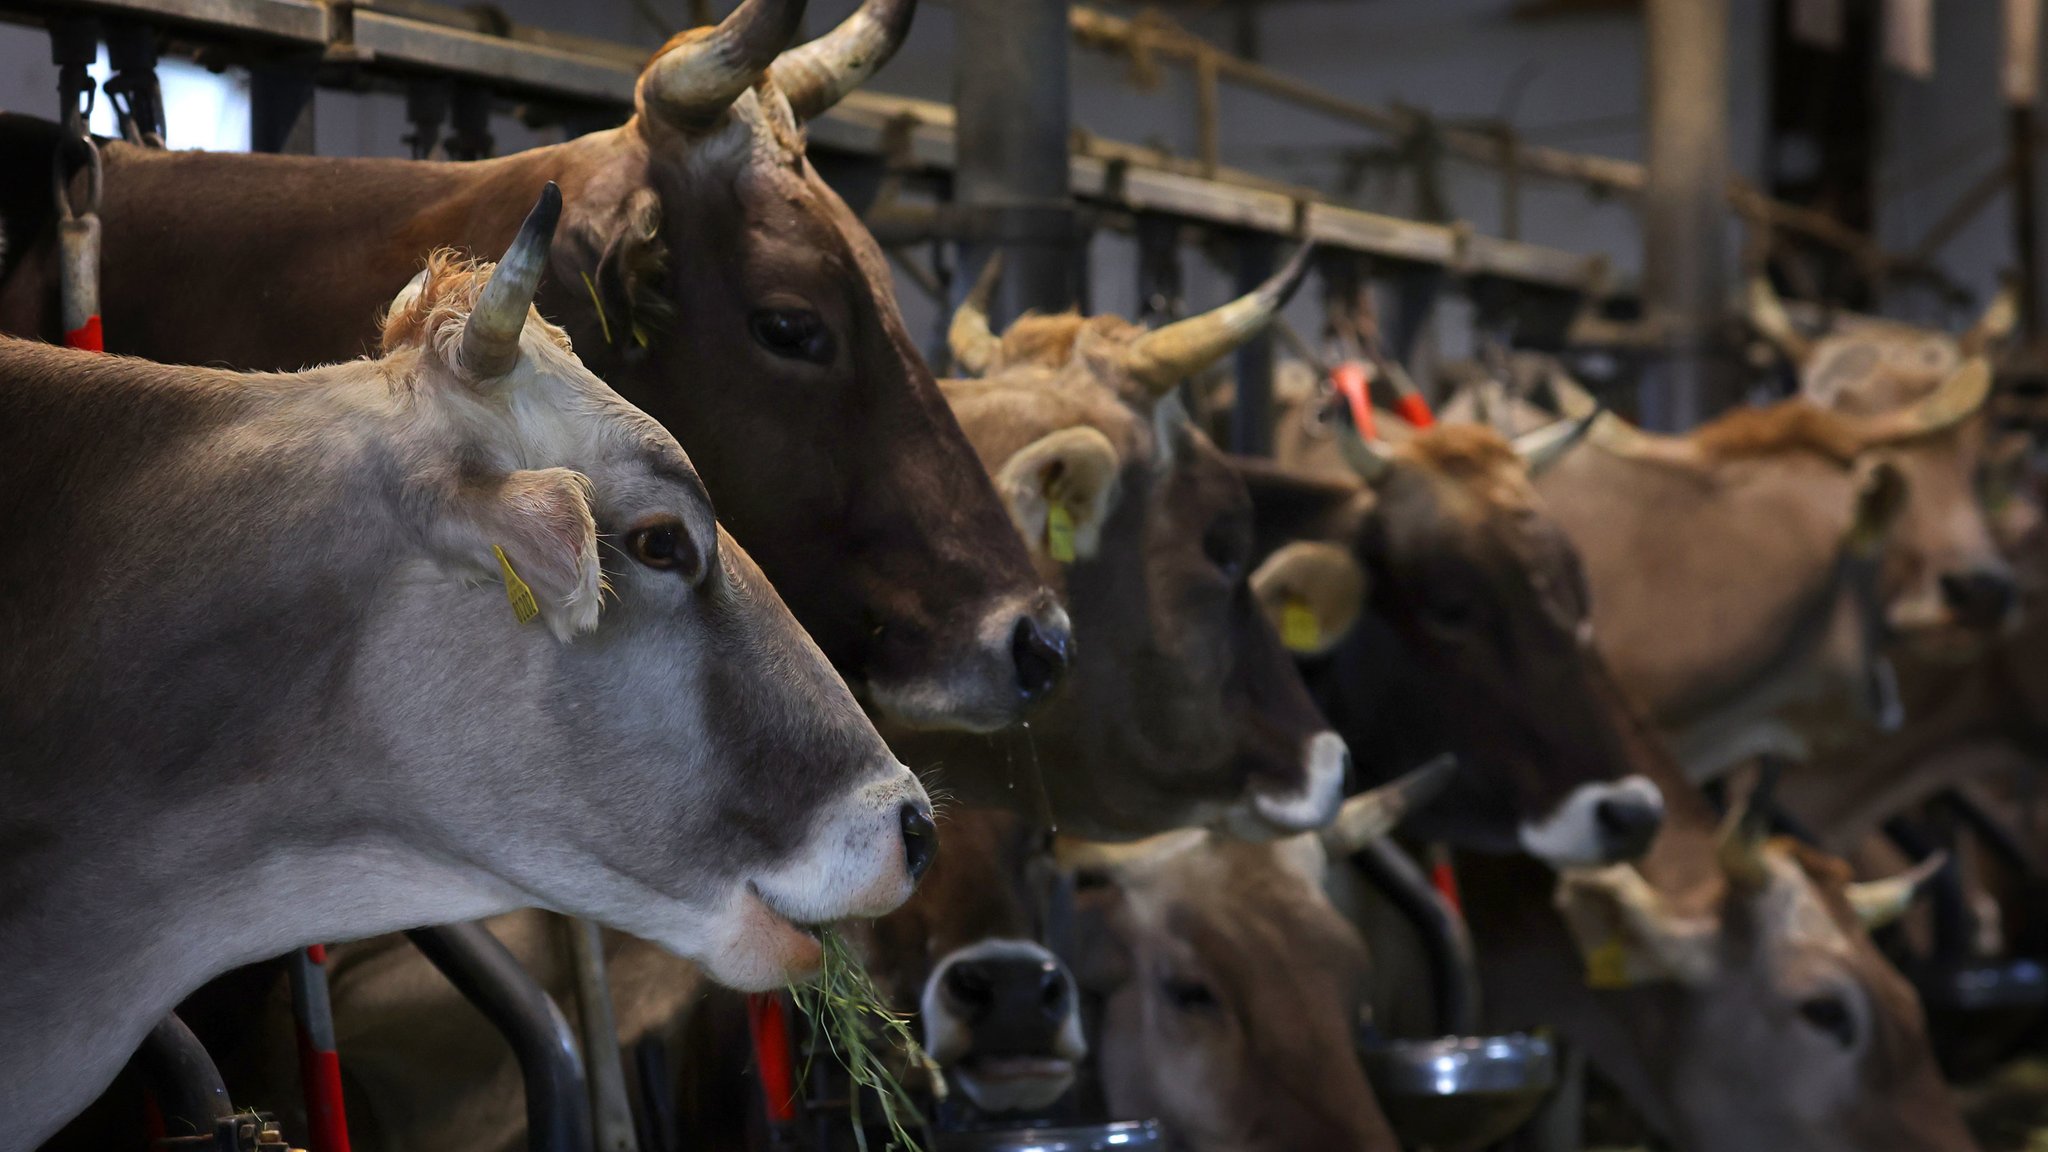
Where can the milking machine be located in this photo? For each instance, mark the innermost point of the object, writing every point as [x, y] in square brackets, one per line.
[1462, 1090]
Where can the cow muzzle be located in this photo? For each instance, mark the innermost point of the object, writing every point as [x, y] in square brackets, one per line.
[1597, 824]
[862, 858]
[1311, 801]
[1981, 599]
[1000, 1017]
[1018, 658]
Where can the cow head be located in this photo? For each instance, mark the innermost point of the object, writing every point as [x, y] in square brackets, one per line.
[1780, 1026]
[1439, 608]
[720, 284]
[1183, 703]
[689, 769]
[1946, 582]
[1230, 991]
[998, 1011]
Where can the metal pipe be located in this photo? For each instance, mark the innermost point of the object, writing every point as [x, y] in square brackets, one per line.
[1251, 422]
[1454, 974]
[557, 1107]
[612, 1111]
[1010, 177]
[188, 1087]
[1685, 279]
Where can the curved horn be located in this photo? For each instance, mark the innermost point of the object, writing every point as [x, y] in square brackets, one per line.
[1879, 902]
[1957, 399]
[490, 337]
[2000, 317]
[1091, 855]
[1745, 831]
[1767, 315]
[701, 72]
[1162, 358]
[1547, 445]
[1368, 816]
[973, 343]
[815, 76]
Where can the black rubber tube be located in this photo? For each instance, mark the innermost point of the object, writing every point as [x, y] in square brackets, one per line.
[557, 1099]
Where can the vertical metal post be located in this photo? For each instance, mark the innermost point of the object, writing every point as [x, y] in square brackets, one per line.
[281, 107]
[1011, 177]
[1251, 423]
[1685, 280]
[2021, 85]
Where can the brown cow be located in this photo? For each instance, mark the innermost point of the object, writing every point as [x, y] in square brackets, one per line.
[1446, 611]
[703, 269]
[1949, 586]
[1230, 992]
[1725, 563]
[1737, 1000]
[1184, 705]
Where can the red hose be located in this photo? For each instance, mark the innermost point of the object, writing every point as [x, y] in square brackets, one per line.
[768, 1024]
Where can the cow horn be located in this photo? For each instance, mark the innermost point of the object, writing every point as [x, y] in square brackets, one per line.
[1744, 833]
[1767, 315]
[1162, 358]
[817, 75]
[1547, 445]
[1368, 816]
[1997, 323]
[1959, 397]
[704, 70]
[973, 343]
[490, 337]
[1879, 902]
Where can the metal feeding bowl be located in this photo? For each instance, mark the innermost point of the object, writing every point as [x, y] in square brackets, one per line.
[1116, 1136]
[1460, 1092]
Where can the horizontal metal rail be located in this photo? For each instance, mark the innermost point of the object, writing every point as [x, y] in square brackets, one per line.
[409, 38]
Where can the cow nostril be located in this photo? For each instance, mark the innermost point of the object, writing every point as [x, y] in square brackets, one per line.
[1040, 652]
[920, 839]
[1627, 823]
[1980, 598]
[1052, 992]
[970, 986]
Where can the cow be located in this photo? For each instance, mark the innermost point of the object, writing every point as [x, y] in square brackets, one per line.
[1228, 988]
[704, 270]
[1728, 987]
[1750, 567]
[1950, 587]
[1184, 706]
[252, 696]
[1439, 607]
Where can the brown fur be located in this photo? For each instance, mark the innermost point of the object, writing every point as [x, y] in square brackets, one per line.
[454, 281]
[1786, 427]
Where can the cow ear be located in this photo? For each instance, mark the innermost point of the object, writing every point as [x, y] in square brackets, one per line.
[1312, 593]
[629, 289]
[1626, 934]
[1060, 489]
[533, 533]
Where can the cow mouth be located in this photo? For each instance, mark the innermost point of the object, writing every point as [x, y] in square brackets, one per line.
[1014, 1083]
[800, 944]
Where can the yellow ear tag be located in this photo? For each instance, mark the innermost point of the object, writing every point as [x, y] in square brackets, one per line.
[1059, 533]
[523, 604]
[1298, 627]
[1607, 966]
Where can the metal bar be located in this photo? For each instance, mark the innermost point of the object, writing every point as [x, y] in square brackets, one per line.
[281, 107]
[2025, 222]
[557, 1106]
[507, 64]
[612, 1112]
[1011, 170]
[1454, 975]
[188, 1087]
[1251, 421]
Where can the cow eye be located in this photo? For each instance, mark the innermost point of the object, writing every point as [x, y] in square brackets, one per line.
[795, 333]
[1830, 1015]
[665, 546]
[1187, 995]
